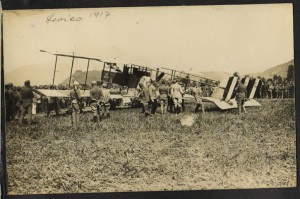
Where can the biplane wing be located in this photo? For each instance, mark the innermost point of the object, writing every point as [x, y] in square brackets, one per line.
[231, 104]
[52, 93]
[61, 93]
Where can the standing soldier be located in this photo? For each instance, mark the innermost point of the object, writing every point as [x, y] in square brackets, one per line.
[105, 98]
[154, 93]
[176, 96]
[144, 98]
[26, 96]
[170, 100]
[95, 95]
[18, 102]
[163, 96]
[10, 102]
[198, 97]
[75, 103]
[241, 93]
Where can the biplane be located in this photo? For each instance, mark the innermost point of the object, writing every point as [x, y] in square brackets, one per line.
[132, 74]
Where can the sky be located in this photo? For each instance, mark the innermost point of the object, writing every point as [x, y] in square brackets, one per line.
[243, 38]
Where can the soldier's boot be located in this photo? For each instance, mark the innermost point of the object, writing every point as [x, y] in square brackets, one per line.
[98, 118]
[244, 109]
[197, 108]
[77, 118]
[202, 107]
[178, 110]
[74, 121]
[239, 109]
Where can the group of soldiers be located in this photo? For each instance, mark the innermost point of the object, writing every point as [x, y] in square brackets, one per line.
[273, 89]
[98, 101]
[167, 95]
[19, 102]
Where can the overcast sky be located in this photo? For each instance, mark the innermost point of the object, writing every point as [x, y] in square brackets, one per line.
[244, 38]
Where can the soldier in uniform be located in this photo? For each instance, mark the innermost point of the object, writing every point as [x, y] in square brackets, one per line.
[198, 96]
[10, 102]
[18, 102]
[176, 96]
[75, 103]
[95, 95]
[241, 93]
[170, 100]
[154, 93]
[163, 96]
[105, 99]
[26, 96]
[144, 98]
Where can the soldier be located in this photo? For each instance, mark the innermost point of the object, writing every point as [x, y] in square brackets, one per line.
[154, 93]
[170, 100]
[198, 96]
[75, 103]
[105, 99]
[10, 102]
[144, 98]
[241, 93]
[18, 102]
[95, 95]
[26, 96]
[176, 96]
[163, 96]
[270, 89]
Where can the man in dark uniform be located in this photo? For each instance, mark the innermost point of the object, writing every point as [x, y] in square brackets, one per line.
[241, 93]
[26, 96]
[10, 102]
[170, 100]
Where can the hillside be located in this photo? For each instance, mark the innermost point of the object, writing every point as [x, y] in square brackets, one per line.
[276, 70]
[37, 74]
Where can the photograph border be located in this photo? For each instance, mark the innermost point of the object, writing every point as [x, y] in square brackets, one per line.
[274, 193]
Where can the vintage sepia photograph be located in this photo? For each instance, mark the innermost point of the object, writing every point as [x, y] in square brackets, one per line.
[139, 99]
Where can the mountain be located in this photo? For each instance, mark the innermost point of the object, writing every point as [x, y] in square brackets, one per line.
[80, 76]
[276, 70]
[37, 74]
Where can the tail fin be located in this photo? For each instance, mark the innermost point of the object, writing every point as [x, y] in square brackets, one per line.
[230, 88]
[253, 89]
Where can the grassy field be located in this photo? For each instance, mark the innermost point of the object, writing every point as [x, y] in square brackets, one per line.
[129, 152]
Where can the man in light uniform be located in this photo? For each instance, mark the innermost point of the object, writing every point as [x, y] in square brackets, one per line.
[163, 96]
[154, 93]
[75, 96]
[95, 95]
[198, 96]
[105, 99]
[144, 98]
[176, 95]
